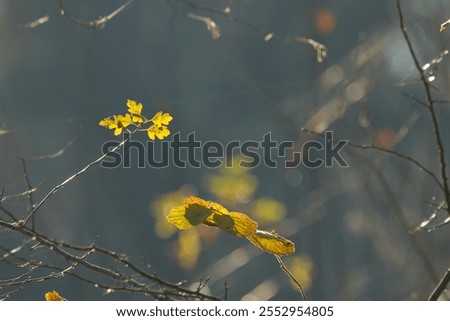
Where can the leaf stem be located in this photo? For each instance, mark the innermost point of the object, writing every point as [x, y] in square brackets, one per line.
[285, 270]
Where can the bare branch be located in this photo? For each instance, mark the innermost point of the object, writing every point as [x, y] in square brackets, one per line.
[441, 287]
[429, 219]
[100, 23]
[321, 50]
[387, 151]
[28, 25]
[124, 276]
[431, 107]
[68, 180]
[444, 25]
[211, 25]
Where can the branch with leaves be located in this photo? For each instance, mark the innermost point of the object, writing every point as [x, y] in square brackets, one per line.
[194, 211]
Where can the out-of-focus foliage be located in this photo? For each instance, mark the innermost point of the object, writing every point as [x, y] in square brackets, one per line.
[232, 185]
[302, 267]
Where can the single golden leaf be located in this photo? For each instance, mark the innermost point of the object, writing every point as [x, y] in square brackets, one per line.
[193, 211]
[235, 223]
[53, 296]
[217, 208]
[271, 242]
[177, 217]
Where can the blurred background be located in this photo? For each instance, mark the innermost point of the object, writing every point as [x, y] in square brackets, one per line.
[353, 227]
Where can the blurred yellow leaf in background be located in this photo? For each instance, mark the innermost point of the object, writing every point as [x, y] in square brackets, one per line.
[267, 210]
[189, 248]
[301, 267]
[233, 185]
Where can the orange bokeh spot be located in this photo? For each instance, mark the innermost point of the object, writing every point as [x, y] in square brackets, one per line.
[325, 21]
[385, 138]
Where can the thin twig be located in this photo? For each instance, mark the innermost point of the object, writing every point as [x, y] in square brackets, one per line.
[387, 151]
[321, 50]
[441, 287]
[28, 25]
[100, 23]
[30, 187]
[225, 296]
[68, 180]
[129, 282]
[285, 269]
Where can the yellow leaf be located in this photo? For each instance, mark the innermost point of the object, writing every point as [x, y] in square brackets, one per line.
[118, 123]
[135, 110]
[134, 107]
[271, 242]
[161, 119]
[107, 122]
[193, 211]
[53, 296]
[157, 131]
[235, 223]
[218, 208]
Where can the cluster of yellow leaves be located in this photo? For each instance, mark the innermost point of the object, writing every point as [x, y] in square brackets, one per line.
[194, 211]
[53, 296]
[159, 121]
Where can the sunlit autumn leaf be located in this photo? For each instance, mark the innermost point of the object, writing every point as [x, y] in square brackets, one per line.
[162, 205]
[235, 223]
[53, 296]
[118, 123]
[271, 242]
[193, 211]
[107, 122]
[161, 118]
[135, 109]
[157, 131]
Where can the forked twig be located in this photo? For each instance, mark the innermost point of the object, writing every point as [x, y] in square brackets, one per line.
[431, 107]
